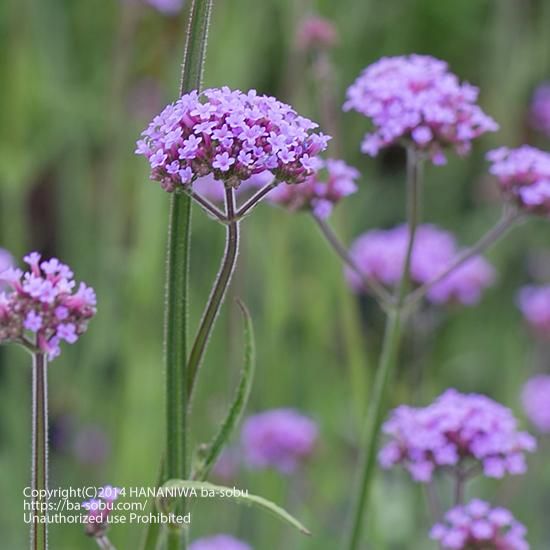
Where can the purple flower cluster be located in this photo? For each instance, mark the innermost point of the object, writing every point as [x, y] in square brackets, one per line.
[540, 108]
[278, 438]
[6, 261]
[477, 526]
[168, 7]
[415, 98]
[524, 176]
[316, 32]
[380, 255]
[332, 181]
[535, 398]
[99, 509]
[231, 135]
[42, 307]
[534, 303]
[456, 429]
[219, 542]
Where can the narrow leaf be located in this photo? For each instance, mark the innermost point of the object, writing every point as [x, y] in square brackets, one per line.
[208, 456]
[165, 501]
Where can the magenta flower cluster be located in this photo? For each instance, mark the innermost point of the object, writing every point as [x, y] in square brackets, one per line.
[524, 176]
[41, 307]
[534, 303]
[231, 135]
[540, 108]
[457, 429]
[219, 542]
[535, 398]
[278, 438]
[380, 254]
[332, 181]
[316, 32]
[477, 526]
[416, 99]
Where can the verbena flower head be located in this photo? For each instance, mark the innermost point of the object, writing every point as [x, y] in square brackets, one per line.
[380, 255]
[219, 542]
[44, 306]
[535, 398]
[99, 509]
[316, 32]
[332, 181]
[231, 135]
[456, 429]
[168, 7]
[477, 526]
[416, 99]
[534, 303]
[540, 108]
[278, 438]
[524, 176]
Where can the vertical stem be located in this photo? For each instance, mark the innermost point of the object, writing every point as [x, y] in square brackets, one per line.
[459, 487]
[388, 359]
[39, 529]
[218, 292]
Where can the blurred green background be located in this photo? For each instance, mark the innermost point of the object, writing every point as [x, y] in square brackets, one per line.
[81, 79]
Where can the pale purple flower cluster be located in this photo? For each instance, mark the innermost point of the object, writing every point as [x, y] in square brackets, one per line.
[219, 542]
[524, 176]
[415, 98]
[278, 438]
[168, 7]
[540, 108]
[316, 32]
[231, 135]
[477, 526]
[455, 429]
[99, 509]
[534, 303]
[332, 181]
[6, 260]
[380, 255]
[535, 398]
[42, 307]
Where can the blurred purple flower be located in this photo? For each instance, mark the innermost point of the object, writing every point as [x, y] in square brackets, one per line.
[524, 176]
[380, 255]
[91, 445]
[231, 135]
[41, 305]
[415, 98]
[316, 32]
[535, 398]
[99, 510]
[534, 303]
[456, 428]
[332, 181]
[168, 7]
[219, 542]
[540, 108]
[278, 438]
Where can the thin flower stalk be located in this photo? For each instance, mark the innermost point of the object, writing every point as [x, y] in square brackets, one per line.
[256, 198]
[388, 359]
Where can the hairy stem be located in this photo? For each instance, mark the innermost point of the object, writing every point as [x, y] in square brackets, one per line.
[386, 365]
[255, 199]
[206, 205]
[218, 292]
[39, 529]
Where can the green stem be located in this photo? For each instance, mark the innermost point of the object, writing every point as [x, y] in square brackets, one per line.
[387, 362]
[39, 529]
[218, 292]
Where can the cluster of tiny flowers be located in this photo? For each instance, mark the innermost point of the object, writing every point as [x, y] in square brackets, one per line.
[219, 542]
[42, 305]
[540, 108]
[232, 135]
[316, 32]
[455, 429]
[99, 510]
[477, 526]
[380, 255]
[524, 176]
[168, 7]
[534, 303]
[6, 261]
[278, 438]
[415, 98]
[332, 181]
[535, 398]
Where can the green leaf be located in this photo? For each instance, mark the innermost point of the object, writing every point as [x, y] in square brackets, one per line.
[165, 501]
[207, 456]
